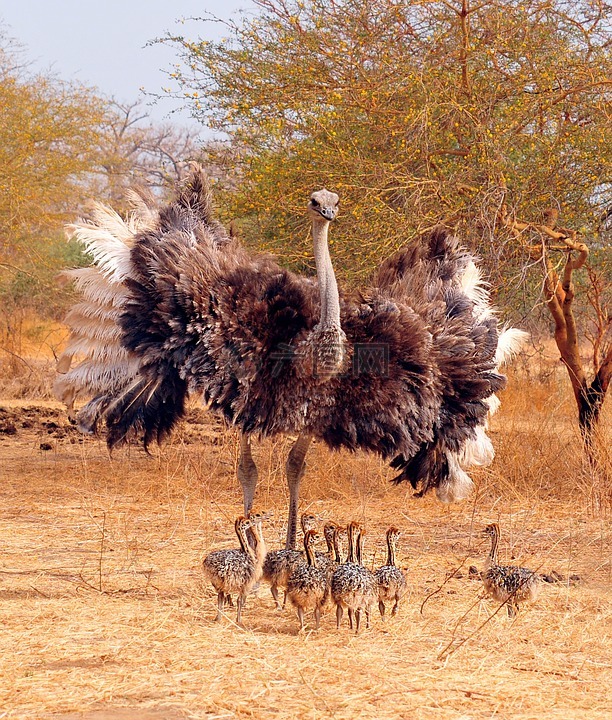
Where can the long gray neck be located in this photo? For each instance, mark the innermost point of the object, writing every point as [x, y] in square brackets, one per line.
[328, 287]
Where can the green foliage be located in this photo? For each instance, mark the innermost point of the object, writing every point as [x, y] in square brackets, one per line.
[33, 284]
[49, 137]
[415, 113]
[61, 145]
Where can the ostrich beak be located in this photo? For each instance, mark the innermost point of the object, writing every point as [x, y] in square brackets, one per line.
[329, 213]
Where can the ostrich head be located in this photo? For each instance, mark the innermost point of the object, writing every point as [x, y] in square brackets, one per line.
[308, 522]
[323, 205]
[241, 525]
[393, 534]
[329, 530]
[491, 530]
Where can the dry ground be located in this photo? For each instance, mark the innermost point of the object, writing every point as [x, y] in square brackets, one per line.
[105, 616]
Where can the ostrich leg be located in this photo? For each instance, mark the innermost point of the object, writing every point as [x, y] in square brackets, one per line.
[247, 473]
[295, 468]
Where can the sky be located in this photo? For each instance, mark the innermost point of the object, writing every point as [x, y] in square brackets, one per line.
[103, 43]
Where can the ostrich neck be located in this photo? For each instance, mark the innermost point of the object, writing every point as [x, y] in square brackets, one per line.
[311, 558]
[260, 548]
[350, 558]
[328, 287]
[244, 543]
[359, 554]
[492, 559]
[390, 552]
[337, 557]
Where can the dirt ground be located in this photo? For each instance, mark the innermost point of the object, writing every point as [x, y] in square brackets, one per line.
[105, 615]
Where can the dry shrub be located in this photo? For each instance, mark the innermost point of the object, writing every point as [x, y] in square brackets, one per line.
[26, 378]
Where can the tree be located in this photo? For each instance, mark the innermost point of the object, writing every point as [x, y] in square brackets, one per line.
[49, 137]
[559, 295]
[49, 140]
[137, 151]
[62, 144]
[470, 113]
[415, 112]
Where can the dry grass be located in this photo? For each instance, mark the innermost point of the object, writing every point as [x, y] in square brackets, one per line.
[28, 357]
[103, 607]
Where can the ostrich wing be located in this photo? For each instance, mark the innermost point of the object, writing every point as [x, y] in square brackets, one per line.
[198, 313]
[465, 341]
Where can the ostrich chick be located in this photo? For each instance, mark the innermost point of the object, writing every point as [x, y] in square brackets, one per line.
[390, 579]
[307, 588]
[352, 585]
[279, 564]
[507, 583]
[327, 560]
[236, 571]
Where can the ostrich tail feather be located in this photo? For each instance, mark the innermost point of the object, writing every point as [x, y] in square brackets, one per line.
[477, 451]
[151, 406]
[434, 467]
[456, 484]
[88, 417]
[196, 194]
[94, 361]
[511, 341]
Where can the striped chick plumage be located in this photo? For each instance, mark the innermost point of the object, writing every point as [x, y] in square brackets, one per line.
[236, 570]
[390, 579]
[279, 564]
[327, 560]
[508, 584]
[308, 588]
[352, 585]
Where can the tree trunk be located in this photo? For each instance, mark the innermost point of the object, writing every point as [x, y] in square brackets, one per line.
[592, 398]
[559, 297]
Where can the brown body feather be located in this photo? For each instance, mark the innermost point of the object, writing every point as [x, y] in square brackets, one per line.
[206, 316]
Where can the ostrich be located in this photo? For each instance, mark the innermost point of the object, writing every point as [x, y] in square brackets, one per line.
[237, 571]
[279, 564]
[508, 583]
[327, 560]
[391, 580]
[174, 305]
[308, 587]
[352, 585]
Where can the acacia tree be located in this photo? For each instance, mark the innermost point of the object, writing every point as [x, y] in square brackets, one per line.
[415, 112]
[466, 112]
[136, 150]
[50, 137]
[49, 140]
[559, 291]
[60, 145]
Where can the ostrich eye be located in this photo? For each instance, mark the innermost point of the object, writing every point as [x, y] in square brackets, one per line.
[314, 202]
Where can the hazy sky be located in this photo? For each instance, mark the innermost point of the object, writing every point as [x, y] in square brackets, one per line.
[102, 43]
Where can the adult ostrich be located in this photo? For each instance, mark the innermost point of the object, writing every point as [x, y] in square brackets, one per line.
[174, 306]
